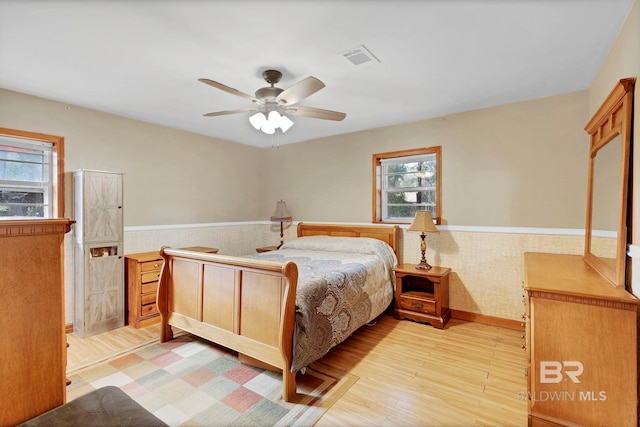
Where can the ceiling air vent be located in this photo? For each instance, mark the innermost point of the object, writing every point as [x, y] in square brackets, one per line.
[360, 56]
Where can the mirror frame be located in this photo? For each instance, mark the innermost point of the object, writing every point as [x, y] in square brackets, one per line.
[613, 118]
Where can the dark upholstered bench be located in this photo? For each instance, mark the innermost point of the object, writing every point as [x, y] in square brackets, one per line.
[107, 406]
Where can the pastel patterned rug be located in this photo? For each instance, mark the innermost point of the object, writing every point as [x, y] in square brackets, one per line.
[192, 382]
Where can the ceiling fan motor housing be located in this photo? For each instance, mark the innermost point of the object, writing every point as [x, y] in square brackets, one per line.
[268, 93]
[272, 76]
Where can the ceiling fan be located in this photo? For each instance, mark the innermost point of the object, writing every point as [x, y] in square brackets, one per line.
[274, 103]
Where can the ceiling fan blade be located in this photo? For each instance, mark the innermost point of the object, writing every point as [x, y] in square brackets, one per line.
[224, 113]
[316, 113]
[230, 90]
[299, 91]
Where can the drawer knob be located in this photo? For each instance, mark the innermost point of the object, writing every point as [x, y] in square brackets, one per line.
[416, 305]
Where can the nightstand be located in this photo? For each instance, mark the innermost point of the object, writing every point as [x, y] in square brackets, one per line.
[142, 272]
[266, 249]
[422, 295]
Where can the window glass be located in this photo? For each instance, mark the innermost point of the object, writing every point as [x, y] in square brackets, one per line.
[406, 182]
[28, 176]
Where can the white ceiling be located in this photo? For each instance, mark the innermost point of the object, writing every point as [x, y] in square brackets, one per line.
[141, 59]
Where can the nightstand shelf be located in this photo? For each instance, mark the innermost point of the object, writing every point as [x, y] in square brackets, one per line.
[422, 295]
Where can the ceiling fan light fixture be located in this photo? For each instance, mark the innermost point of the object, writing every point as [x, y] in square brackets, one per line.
[257, 120]
[274, 119]
[285, 123]
[268, 128]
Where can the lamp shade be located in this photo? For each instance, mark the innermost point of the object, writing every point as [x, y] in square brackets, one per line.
[281, 213]
[423, 222]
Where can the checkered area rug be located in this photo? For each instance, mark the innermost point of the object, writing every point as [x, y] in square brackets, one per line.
[192, 382]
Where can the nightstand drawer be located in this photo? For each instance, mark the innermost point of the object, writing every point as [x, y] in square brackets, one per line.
[151, 265]
[417, 301]
[148, 288]
[148, 298]
[149, 309]
[150, 277]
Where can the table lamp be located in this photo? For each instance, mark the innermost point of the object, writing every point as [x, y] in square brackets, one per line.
[424, 223]
[281, 214]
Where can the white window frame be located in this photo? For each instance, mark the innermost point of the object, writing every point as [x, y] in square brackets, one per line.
[380, 190]
[51, 185]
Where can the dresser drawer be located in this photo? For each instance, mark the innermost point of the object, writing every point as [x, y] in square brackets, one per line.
[149, 288]
[148, 309]
[150, 277]
[148, 298]
[417, 301]
[151, 265]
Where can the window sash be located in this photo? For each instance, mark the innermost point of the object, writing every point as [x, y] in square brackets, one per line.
[27, 178]
[387, 189]
[391, 180]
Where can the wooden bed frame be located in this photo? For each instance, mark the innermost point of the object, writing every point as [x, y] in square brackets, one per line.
[244, 304]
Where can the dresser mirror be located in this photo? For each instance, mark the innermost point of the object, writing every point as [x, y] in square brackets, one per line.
[606, 228]
[605, 212]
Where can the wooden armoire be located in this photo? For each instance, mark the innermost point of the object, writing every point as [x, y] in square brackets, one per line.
[33, 346]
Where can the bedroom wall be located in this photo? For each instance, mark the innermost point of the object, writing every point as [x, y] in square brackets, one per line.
[515, 165]
[624, 61]
[514, 180]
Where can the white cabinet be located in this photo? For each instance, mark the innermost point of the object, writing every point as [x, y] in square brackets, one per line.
[98, 252]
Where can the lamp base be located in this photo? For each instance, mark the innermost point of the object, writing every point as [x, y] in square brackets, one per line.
[423, 266]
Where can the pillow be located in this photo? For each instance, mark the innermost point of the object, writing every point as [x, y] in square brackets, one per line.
[360, 245]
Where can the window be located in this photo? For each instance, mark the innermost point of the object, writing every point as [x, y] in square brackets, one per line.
[405, 182]
[30, 175]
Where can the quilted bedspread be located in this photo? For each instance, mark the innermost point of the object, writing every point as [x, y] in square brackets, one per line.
[343, 283]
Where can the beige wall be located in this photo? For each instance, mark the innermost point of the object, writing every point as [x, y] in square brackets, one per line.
[623, 61]
[170, 176]
[516, 165]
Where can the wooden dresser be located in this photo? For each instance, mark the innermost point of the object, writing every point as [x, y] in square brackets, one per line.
[142, 271]
[581, 343]
[33, 347]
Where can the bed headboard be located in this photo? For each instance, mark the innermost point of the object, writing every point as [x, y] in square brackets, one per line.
[387, 233]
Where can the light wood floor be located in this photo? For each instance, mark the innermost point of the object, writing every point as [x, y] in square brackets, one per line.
[409, 373]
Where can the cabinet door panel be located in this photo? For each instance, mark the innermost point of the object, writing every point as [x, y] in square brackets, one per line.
[102, 207]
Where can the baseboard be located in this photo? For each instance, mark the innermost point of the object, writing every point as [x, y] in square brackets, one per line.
[487, 320]
[68, 328]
